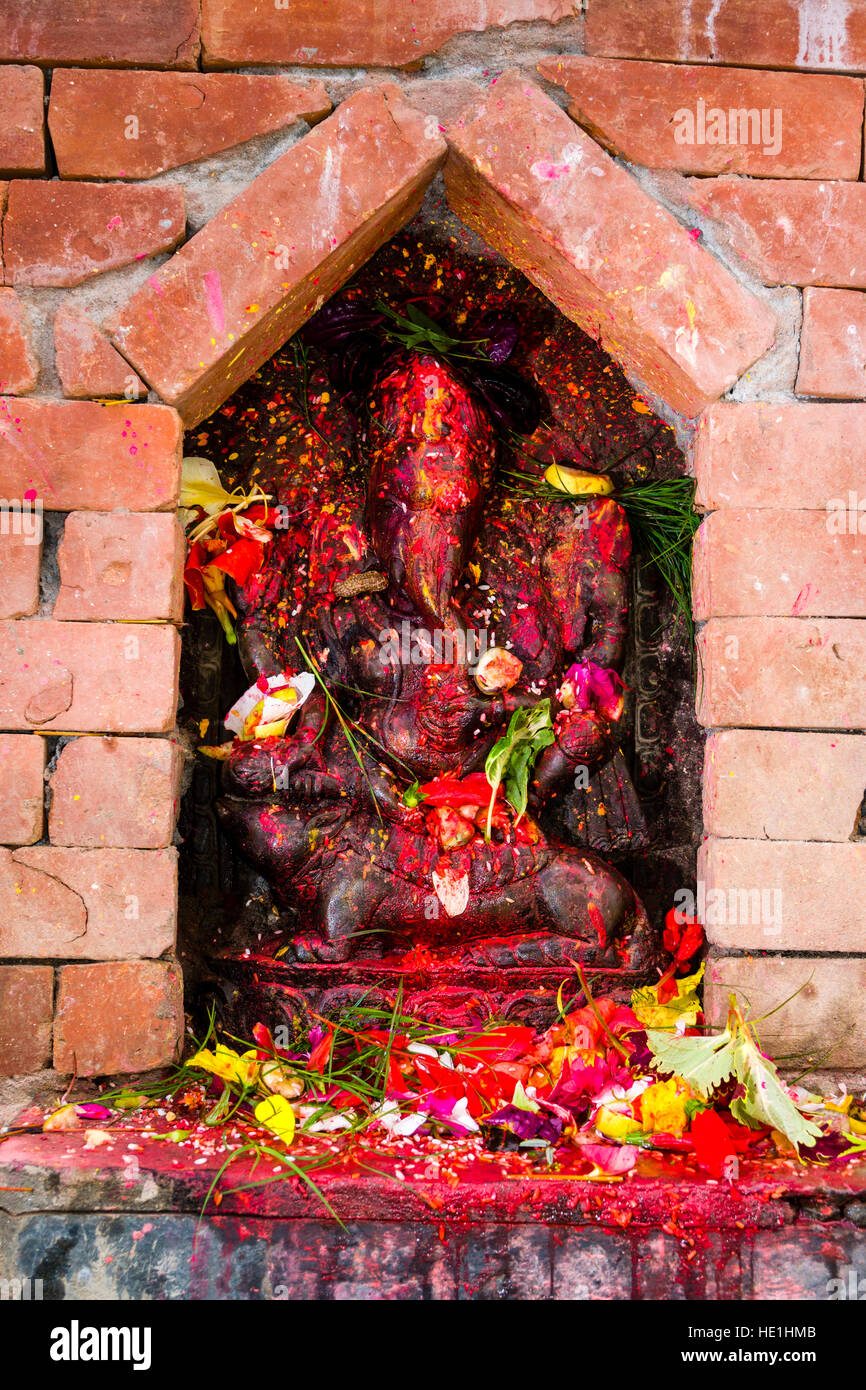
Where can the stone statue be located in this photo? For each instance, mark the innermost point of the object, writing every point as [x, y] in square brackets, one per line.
[432, 602]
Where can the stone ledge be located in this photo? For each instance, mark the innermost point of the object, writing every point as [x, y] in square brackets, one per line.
[772, 1234]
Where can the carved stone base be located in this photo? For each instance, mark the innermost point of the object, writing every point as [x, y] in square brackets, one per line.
[259, 989]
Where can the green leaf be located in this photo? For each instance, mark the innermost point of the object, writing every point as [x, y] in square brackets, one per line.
[413, 795]
[704, 1062]
[765, 1102]
[530, 729]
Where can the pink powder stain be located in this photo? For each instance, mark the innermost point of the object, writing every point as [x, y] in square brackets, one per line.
[214, 300]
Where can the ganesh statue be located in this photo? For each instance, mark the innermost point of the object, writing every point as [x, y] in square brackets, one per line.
[451, 630]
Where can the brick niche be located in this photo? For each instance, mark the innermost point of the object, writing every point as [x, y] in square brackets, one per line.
[200, 213]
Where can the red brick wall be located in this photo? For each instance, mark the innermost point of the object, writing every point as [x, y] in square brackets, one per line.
[170, 218]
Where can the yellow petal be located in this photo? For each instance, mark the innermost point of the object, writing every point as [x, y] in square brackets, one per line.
[277, 1115]
[577, 481]
[615, 1124]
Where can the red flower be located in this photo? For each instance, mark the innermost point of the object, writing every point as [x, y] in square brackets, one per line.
[715, 1143]
[683, 937]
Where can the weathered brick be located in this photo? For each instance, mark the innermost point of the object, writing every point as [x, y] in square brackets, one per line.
[780, 785]
[774, 34]
[180, 117]
[121, 567]
[796, 673]
[60, 234]
[20, 558]
[22, 764]
[26, 1013]
[702, 120]
[87, 904]
[83, 677]
[19, 369]
[367, 33]
[542, 193]
[782, 895]
[86, 362]
[833, 344]
[800, 232]
[779, 454]
[22, 136]
[591, 1265]
[778, 563]
[209, 317]
[94, 33]
[77, 454]
[115, 792]
[443, 97]
[126, 1016]
[821, 1024]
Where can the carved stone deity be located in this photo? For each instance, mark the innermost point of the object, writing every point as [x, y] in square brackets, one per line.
[433, 596]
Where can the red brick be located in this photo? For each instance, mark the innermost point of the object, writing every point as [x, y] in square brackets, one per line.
[22, 764]
[544, 195]
[79, 455]
[661, 115]
[825, 1012]
[780, 785]
[833, 344]
[779, 454]
[88, 677]
[26, 1014]
[800, 232]
[22, 135]
[126, 1016]
[115, 792]
[773, 34]
[19, 573]
[367, 33]
[209, 317]
[796, 673]
[783, 895]
[95, 33]
[19, 370]
[86, 362]
[60, 234]
[87, 904]
[778, 563]
[121, 567]
[445, 98]
[181, 117]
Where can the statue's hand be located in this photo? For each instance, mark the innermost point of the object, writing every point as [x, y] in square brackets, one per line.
[584, 736]
[583, 740]
[270, 766]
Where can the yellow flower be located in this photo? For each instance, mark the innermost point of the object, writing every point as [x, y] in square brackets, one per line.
[227, 1064]
[616, 1122]
[277, 1115]
[663, 1107]
[577, 482]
